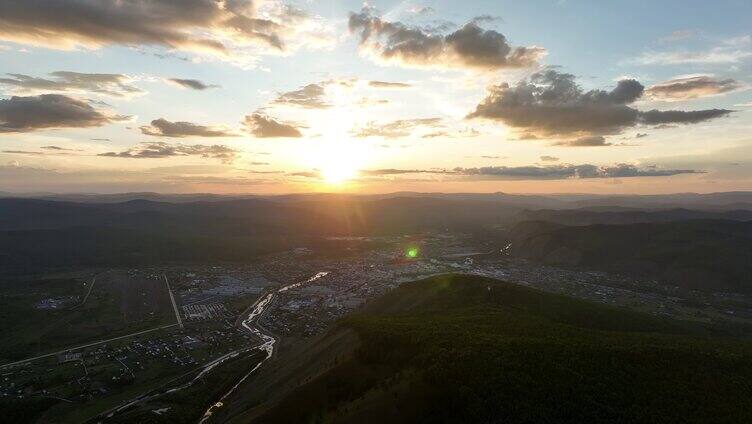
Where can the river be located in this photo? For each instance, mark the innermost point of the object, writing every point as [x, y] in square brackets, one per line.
[268, 340]
[248, 324]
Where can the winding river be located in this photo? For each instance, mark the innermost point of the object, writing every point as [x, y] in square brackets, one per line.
[250, 324]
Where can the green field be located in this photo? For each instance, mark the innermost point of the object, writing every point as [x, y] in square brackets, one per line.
[119, 304]
[456, 349]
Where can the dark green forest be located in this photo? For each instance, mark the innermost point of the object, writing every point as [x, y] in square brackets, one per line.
[455, 349]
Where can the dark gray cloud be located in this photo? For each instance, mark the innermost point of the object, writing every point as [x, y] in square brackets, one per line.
[186, 24]
[160, 149]
[468, 47]
[552, 104]
[263, 126]
[193, 84]
[551, 172]
[587, 141]
[692, 88]
[115, 85]
[395, 129]
[312, 96]
[60, 149]
[387, 84]
[662, 117]
[164, 128]
[32, 113]
[481, 19]
[546, 158]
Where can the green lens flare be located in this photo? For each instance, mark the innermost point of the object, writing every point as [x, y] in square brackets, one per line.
[412, 252]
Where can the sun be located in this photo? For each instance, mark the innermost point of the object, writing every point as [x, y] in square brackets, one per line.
[340, 161]
[338, 172]
[335, 154]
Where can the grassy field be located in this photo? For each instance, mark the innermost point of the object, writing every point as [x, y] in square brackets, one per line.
[119, 304]
[456, 349]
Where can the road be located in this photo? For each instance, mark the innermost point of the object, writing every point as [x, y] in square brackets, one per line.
[174, 305]
[86, 297]
[250, 324]
[23, 361]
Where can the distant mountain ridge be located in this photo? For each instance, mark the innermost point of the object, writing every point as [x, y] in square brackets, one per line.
[713, 255]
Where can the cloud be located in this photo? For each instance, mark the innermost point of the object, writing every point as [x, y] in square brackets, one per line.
[395, 129]
[586, 171]
[678, 35]
[164, 128]
[421, 10]
[733, 50]
[263, 126]
[306, 174]
[193, 84]
[194, 25]
[370, 102]
[23, 152]
[545, 158]
[551, 172]
[552, 104]
[463, 133]
[312, 96]
[114, 85]
[470, 47]
[713, 57]
[32, 113]
[659, 117]
[693, 87]
[160, 149]
[587, 141]
[49, 151]
[396, 171]
[59, 149]
[386, 84]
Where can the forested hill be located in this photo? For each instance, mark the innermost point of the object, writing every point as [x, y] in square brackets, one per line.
[465, 349]
[711, 255]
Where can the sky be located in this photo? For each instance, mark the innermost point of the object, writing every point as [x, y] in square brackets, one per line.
[266, 96]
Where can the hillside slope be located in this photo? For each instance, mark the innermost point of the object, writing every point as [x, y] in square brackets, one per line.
[713, 255]
[455, 349]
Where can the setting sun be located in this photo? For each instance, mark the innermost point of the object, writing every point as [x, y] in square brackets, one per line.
[338, 161]
[338, 172]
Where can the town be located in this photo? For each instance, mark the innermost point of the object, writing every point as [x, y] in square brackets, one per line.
[174, 345]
